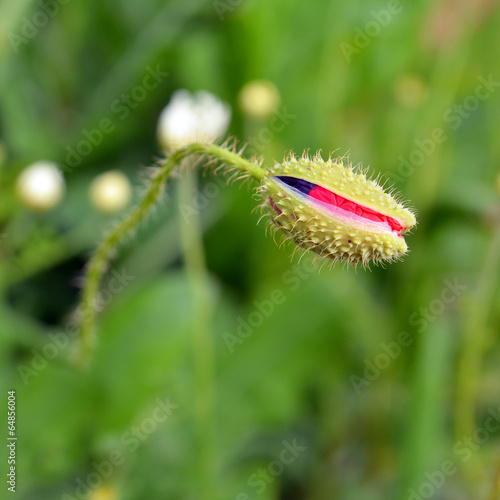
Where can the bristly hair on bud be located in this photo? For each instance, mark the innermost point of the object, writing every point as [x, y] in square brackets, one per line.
[333, 209]
[327, 207]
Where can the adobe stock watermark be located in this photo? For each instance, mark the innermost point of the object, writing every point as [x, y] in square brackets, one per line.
[278, 122]
[429, 314]
[421, 319]
[292, 279]
[30, 27]
[462, 451]
[120, 109]
[130, 442]
[202, 198]
[364, 36]
[255, 145]
[452, 117]
[259, 481]
[223, 7]
[60, 341]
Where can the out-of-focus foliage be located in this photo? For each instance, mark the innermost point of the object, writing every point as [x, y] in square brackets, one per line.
[394, 84]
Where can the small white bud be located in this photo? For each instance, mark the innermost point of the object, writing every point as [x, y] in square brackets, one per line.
[188, 118]
[259, 99]
[40, 186]
[110, 192]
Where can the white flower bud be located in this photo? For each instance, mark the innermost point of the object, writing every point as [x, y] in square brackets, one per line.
[188, 118]
[110, 192]
[259, 99]
[40, 186]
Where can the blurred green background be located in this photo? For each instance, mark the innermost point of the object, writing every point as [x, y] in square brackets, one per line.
[323, 397]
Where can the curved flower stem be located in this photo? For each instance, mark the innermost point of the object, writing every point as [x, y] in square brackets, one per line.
[99, 261]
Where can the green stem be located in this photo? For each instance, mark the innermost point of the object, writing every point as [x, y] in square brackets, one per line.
[474, 344]
[202, 346]
[100, 259]
[495, 488]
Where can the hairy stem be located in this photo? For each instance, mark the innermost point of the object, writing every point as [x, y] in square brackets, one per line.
[99, 261]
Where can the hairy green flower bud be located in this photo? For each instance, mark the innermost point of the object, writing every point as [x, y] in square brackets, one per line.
[334, 210]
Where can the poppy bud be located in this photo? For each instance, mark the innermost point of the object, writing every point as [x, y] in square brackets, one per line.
[334, 210]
